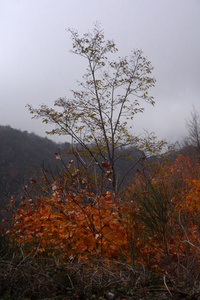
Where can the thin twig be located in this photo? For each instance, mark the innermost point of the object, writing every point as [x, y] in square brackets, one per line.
[164, 279]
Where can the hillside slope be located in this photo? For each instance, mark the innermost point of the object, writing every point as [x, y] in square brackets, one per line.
[22, 154]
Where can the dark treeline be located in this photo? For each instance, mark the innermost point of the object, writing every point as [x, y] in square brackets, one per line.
[24, 155]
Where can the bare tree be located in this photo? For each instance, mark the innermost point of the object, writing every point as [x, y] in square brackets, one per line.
[98, 116]
[191, 144]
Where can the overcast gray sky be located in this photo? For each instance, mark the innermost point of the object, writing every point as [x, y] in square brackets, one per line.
[36, 66]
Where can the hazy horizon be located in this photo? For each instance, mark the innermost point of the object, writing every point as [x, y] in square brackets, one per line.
[37, 67]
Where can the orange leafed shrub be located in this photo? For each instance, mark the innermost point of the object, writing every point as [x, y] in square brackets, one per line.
[156, 224]
[70, 226]
[166, 205]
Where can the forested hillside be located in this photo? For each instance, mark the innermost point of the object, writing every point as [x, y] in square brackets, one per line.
[24, 154]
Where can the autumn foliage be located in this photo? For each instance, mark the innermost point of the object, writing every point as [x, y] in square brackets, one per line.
[71, 227]
[165, 202]
[155, 225]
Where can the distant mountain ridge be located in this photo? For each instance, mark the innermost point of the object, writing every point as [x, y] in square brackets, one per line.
[23, 153]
